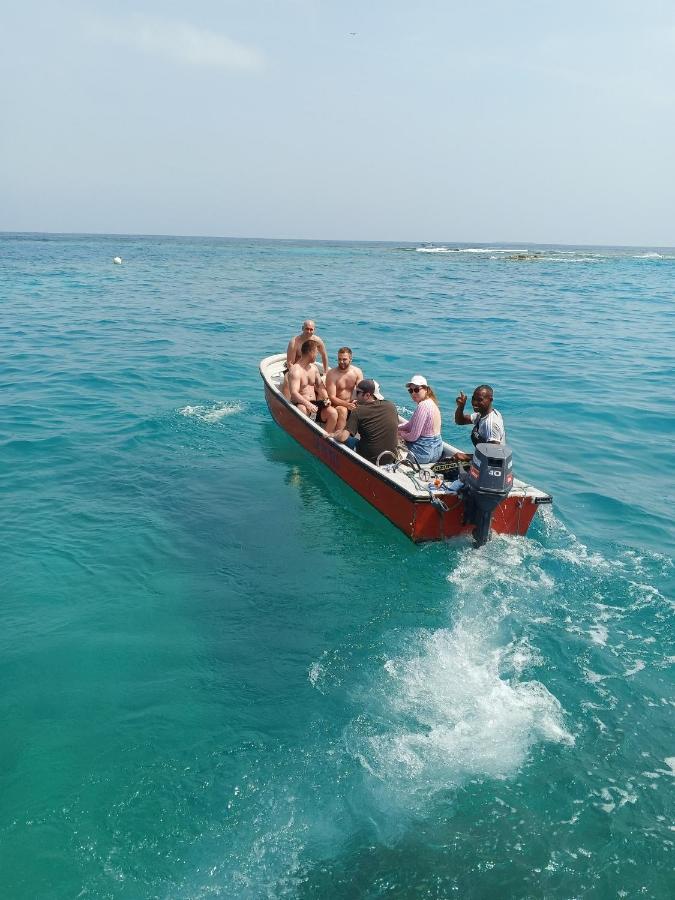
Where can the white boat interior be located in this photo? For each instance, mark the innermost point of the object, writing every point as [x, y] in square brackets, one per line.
[418, 480]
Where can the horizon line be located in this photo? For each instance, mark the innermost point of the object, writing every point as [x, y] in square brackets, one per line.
[123, 234]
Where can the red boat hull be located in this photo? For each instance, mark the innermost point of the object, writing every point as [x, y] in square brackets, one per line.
[418, 518]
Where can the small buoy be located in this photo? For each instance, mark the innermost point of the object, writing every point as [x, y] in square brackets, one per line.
[117, 260]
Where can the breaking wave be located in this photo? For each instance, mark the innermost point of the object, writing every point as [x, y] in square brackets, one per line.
[468, 250]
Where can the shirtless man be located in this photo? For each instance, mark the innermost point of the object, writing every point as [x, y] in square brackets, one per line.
[295, 344]
[340, 384]
[306, 386]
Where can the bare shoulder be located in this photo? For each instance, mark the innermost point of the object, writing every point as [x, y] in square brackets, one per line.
[358, 373]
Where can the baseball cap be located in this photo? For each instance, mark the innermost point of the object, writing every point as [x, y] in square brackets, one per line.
[369, 386]
[418, 380]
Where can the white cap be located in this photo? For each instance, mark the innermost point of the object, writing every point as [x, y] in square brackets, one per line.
[370, 386]
[419, 380]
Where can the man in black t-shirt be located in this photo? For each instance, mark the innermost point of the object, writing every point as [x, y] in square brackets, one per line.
[375, 420]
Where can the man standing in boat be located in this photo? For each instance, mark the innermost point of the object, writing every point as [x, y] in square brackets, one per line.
[307, 390]
[295, 345]
[375, 420]
[340, 384]
[488, 425]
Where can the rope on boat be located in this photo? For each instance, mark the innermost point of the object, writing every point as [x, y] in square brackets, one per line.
[521, 504]
[440, 505]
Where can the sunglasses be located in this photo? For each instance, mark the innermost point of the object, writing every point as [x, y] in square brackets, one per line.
[416, 389]
[357, 392]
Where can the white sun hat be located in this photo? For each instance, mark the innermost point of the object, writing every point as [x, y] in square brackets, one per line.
[418, 380]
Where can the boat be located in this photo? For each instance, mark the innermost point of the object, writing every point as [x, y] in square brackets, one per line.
[415, 498]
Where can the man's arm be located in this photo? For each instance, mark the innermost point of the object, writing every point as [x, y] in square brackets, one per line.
[290, 353]
[461, 417]
[319, 386]
[331, 389]
[324, 358]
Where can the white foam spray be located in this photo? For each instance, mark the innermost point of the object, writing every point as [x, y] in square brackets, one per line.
[213, 412]
[455, 703]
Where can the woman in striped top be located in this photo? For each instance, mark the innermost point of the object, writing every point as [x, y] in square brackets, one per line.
[422, 434]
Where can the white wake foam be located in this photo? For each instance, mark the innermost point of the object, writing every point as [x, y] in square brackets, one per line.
[213, 412]
[460, 714]
[456, 703]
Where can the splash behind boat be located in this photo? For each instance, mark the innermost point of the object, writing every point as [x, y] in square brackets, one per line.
[407, 494]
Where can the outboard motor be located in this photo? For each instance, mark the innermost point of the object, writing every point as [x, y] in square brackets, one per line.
[489, 480]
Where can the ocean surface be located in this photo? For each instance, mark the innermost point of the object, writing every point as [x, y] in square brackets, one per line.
[223, 674]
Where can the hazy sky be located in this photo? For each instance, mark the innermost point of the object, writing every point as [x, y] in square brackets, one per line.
[378, 119]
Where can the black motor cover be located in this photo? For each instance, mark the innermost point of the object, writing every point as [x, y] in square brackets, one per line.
[491, 469]
[489, 480]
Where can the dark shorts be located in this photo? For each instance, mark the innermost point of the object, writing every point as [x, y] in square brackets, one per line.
[314, 416]
[321, 414]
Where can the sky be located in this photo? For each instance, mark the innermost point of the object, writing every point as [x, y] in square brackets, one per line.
[434, 121]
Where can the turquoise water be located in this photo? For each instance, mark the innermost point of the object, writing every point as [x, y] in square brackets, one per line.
[224, 674]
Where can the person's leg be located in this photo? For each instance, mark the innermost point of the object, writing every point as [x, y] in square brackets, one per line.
[426, 449]
[420, 453]
[320, 416]
[330, 415]
[437, 449]
[342, 413]
[352, 442]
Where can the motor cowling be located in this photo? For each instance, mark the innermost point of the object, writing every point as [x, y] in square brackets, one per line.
[488, 481]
